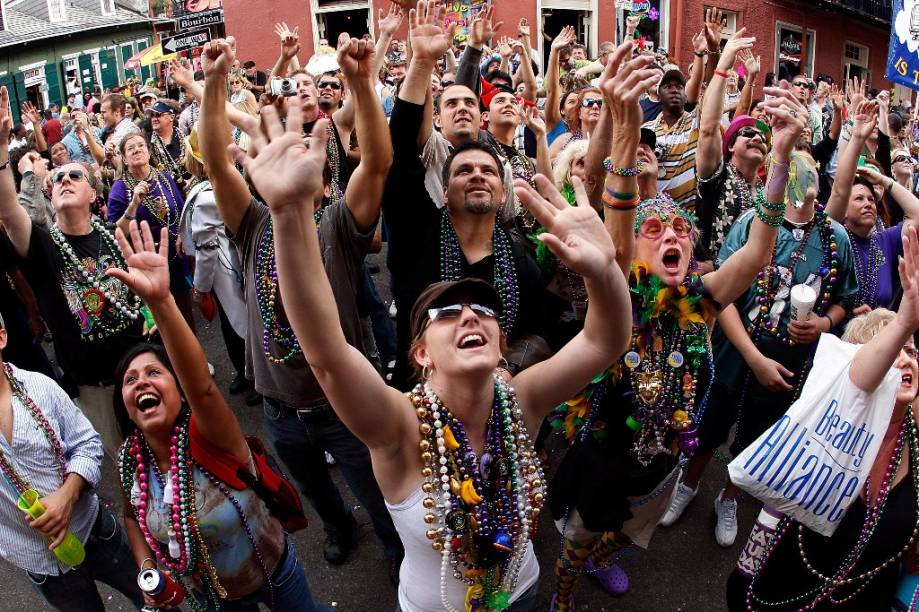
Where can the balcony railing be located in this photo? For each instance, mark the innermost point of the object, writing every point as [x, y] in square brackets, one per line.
[875, 9]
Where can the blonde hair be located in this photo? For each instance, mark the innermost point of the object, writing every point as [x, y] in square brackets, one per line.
[248, 104]
[561, 172]
[864, 327]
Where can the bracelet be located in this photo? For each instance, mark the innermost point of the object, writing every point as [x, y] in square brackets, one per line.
[770, 220]
[702, 54]
[830, 319]
[129, 217]
[776, 206]
[144, 562]
[611, 169]
[721, 73]
[614, 204]
[618, 195]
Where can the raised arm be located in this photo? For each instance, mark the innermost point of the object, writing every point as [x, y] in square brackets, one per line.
[31, 114]
[287, 174]
[386, 27]
[875, 358]
[714, 27]
[865, 120]
[13, 217]
[429, 42]
[575, 234]
[230, 189]
[694, 84]
[290, 47]
[148, 276]
[788, 118]
[709, 153]
[522, 46]
[901, 195]
[553, 86]
[752, 65]
[365, 189]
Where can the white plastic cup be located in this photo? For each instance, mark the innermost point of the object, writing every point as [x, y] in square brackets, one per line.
[803, 299]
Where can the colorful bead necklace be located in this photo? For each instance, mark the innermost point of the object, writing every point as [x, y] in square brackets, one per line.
[157, 205]
[868, 274]
[98, 290]
[768, 280]
[505, 269]
[873, 511]
[19, 483]
[488, 505]
[267, 295]
[166, 162]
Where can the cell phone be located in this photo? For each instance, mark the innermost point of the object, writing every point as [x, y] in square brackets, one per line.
[283, 87]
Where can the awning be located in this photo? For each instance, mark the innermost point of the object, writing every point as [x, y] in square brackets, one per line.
[146, 57]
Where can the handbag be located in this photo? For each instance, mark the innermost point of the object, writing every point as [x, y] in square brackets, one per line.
[268, 482]
[812, 464]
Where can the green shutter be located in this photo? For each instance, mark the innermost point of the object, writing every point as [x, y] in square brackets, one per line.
[19, 80]
[7, 81]
[126, 54]
[108, 67]
[55, 91]
[87, 79]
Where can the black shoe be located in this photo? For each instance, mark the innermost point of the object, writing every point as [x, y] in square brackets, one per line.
[253, 398]
[394, 564]
[239, 384]
[337, 548]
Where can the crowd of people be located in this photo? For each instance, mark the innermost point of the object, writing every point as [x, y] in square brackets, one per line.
[592, 268]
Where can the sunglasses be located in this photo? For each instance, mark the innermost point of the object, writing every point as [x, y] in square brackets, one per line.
[903, 158]
[750, 132]
[587, 103]
[653, 228]
[330, 85]
[453, 311]
[800, 84]
[73, 175]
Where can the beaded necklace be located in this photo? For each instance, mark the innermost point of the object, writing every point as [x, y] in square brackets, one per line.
[828, 584]
[164, 157]
[19, 483]
[157, 205]
[868, 274]
[186, 553]
[768, 280]
[669, 346]
[267, 293]
[98, 292]
[488, 505]
[505, 269]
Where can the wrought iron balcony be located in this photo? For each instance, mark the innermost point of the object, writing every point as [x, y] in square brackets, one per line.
[877, 10]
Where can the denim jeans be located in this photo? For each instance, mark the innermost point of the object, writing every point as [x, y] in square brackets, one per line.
[108, 559]
[299, 441]
[291, 590]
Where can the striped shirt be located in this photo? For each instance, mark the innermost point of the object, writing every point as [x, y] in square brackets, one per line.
[677, 146]
[31, 456]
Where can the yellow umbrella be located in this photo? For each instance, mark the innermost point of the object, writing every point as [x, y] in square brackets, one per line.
[148, 56]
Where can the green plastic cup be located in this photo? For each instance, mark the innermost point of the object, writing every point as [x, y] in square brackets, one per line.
[70, 551]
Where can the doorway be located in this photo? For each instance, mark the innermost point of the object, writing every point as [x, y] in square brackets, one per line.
[333, 23]
[35, 95]
[553, 20]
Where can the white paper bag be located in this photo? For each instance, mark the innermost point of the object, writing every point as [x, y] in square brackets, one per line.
[812, 464]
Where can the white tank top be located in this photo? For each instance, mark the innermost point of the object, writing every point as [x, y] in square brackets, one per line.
[419, 576]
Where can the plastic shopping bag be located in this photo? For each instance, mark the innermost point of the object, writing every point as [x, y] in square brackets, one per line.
[812, 464]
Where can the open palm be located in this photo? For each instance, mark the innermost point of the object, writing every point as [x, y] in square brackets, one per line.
[908, 312]
[429, 40]
[148, 265]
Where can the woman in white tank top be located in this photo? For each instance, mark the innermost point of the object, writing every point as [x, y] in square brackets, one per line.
[453, 458]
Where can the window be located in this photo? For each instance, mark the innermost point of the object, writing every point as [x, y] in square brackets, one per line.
[653, 27]
[855, 58]
[857, 54]
[57, 11]
[790, 45]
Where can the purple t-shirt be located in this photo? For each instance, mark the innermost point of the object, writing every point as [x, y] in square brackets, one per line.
[888, 281]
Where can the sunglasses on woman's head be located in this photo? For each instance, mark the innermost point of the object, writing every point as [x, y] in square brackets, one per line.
[453, 311]
[73, 175]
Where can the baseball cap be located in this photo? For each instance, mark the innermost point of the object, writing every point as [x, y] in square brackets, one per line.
[672, 75]
[446, 292]
[161, 107]
[648, 137]
[249, 64]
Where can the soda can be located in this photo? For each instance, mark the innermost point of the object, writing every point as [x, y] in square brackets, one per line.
[159, 586]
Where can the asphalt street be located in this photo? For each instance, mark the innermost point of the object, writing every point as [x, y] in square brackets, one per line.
[684, 569]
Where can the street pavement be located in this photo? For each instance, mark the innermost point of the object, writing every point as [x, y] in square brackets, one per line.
[683, 570]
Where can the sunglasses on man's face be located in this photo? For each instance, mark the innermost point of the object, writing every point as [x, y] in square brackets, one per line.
[589, 102]
[453, 311]
[750, 132]
[73, 175]
[330, 84]
[800, 84]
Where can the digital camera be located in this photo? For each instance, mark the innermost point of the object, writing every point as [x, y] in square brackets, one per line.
[283, 87]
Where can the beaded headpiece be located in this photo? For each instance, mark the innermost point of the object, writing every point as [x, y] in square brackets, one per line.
[663, 207]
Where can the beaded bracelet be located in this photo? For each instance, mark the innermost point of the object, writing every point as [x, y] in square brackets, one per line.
[611, 169]
[777, 206]
[770, 220]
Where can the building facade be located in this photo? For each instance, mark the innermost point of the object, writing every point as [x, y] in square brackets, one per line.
[52, 48]
[837, 37]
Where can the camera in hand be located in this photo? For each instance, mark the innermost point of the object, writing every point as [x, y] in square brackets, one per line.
[283, 87]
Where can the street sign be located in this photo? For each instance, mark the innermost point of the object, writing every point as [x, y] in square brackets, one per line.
[199, 20]
[184, 42]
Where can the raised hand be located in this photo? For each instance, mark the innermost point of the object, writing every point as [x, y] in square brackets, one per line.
[788, 118]
[504, 47]
[523, 28]
[429, 40]
[148, 266]
[564, 38]
[837, 97]
[343, 38]
[482, 28]
[285, 172]
[356, 59]
[751, 62]
[574, 234]
[871, 175]
[532, 118]
[631, 23]
[737, 43]
[622, 85]
[181, 74]
[714, 26]
[866, 119]
[855, 92]
[883, 100]
[699, 44]
[218, 57]
[30, 113]
[6, 118]
[290, 40]
[908, 313]
[391, 22]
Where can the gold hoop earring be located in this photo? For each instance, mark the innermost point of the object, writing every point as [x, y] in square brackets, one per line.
[425, 373]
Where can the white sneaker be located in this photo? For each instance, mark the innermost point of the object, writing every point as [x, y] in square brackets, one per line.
[726, 528]
[682, 495]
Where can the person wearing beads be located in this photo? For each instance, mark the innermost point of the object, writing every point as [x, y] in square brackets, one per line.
[640, 417]
[453, 457]
[93, 318]
[222, 543]
[853, 202]
[300, 422]
[858, 567]
[150, 194]
[48, 445]
[762, 356]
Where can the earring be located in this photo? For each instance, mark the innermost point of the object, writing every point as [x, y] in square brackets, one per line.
[505, 364]
[425, 373]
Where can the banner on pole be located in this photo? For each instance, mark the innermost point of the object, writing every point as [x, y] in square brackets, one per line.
[903, 55]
